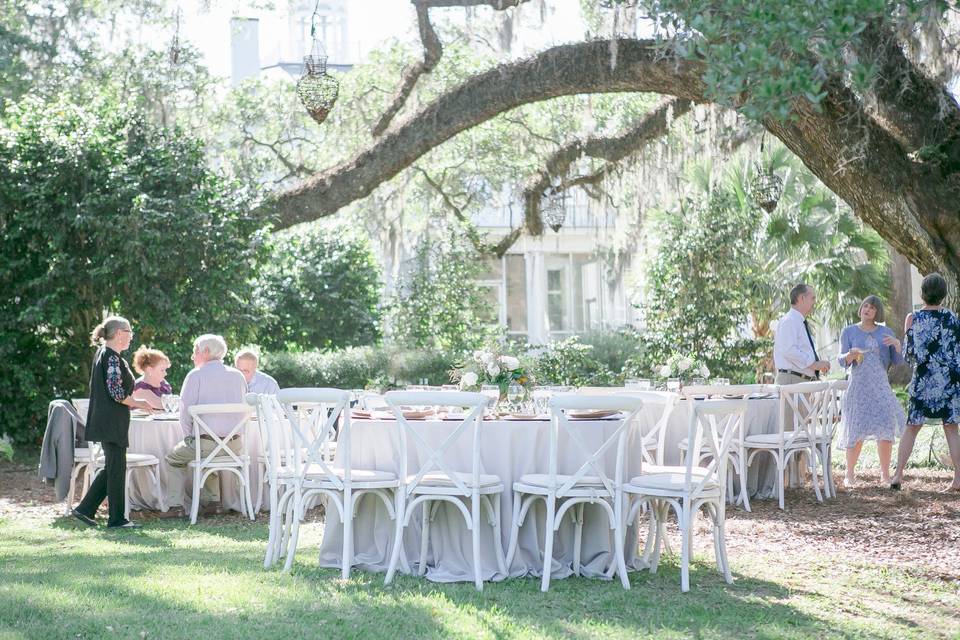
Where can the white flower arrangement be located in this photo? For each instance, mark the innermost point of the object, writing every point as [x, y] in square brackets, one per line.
[488, 367]
[680, 366]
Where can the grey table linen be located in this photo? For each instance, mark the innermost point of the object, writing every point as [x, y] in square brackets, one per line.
[509, 449]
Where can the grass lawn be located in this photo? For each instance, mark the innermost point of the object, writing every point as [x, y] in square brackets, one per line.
[870, 564]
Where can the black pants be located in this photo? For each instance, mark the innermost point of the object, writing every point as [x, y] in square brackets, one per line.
[110, 483]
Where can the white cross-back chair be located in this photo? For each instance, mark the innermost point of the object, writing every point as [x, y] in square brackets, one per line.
[737, 451]
[222, 459]
[589, 484]
[312, 415]
[803, 407]
[275, 438]
[437, 479]
[829, 426]
[90, 460]
[263, 461]
[83, 457]
[714, 424]
[652, 422]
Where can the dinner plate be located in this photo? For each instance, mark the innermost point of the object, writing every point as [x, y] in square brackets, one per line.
[412, 414]
[520, 416]
[590, 415]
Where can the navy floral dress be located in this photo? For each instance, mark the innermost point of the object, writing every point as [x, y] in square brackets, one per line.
[933, 346]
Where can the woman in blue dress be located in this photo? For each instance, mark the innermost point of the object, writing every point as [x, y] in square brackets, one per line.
[870, 409]
[933, 346]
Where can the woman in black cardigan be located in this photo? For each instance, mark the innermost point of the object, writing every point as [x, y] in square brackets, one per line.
[108, 421]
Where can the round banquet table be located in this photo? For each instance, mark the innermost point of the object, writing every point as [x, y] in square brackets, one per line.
[158, 437]
[509, 449]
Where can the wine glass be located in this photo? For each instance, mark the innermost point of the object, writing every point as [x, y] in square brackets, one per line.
[514, 395]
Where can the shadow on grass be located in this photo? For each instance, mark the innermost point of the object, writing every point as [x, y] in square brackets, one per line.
[170, 580]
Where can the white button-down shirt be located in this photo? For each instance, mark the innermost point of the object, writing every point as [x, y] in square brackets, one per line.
[791, 346]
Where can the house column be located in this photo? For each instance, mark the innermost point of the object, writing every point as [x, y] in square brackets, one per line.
[537, 326]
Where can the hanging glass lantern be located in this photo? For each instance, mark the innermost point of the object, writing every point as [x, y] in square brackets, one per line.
[766, 188]
[554, 209]
[317, 89]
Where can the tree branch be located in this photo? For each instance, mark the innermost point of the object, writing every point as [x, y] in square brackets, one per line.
[612, 149]
[473, 235]
[432, 52]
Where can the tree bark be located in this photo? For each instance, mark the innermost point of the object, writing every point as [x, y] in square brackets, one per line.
[898, 306]
[910, 202]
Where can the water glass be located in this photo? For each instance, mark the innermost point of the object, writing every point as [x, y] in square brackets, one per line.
[698, 382]
[722, 382]
[673, 384]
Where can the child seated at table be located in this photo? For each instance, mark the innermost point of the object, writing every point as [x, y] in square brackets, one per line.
[152, 366]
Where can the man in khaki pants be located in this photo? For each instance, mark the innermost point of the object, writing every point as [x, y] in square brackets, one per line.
[211, 382]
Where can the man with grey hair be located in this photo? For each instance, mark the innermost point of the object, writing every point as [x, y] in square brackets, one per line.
[257, 381]
[794, 353]
[210, 382]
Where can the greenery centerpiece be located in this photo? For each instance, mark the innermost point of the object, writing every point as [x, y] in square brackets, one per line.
[488, 366]
[684, 367]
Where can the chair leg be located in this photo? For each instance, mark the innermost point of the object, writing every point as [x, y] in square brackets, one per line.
[548, 542]
[74, 472]
[475, 538]
[686, 535]
[294, 533]
[514, 528]
[619, 541]
[262, 474]
[347, 561]
[498, 537]
[651, 534]
[721, 531]
[577, 513]
[780, 481]
[195, 499]
[814, 454]
[744, 473]
[397, 536]
[424, 538]
[245, 480]
[274, 525]
[126, 494]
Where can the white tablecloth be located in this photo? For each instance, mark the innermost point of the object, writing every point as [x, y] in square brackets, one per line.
[509, 449]
[159, 437]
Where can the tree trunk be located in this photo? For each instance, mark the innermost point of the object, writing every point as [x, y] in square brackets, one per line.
[899, 305]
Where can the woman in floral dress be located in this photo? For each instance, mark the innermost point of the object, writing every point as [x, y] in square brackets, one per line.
[871, 411]
[933, 346]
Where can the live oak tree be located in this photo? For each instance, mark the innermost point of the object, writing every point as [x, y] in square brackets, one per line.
[857, 89]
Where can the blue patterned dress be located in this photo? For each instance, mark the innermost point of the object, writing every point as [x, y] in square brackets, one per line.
[870, 409]
[933, 346]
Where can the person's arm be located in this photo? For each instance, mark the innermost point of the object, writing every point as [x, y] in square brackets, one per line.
[149, 397]
[909, 348]
[189, 396]
[894, 347]
[845, 358]
[115, 386]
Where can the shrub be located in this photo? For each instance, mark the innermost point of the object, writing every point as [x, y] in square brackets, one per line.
[568, 362]
[320, 290]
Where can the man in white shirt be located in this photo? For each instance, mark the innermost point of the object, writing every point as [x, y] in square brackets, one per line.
[794, 353]
[257, 381]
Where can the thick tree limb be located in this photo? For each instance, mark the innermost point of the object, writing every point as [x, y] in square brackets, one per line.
[432, 52]
[612, 149]
[911, 204]
[916, 109]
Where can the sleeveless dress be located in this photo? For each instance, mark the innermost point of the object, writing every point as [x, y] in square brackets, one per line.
[933, 346]
[871, 411]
